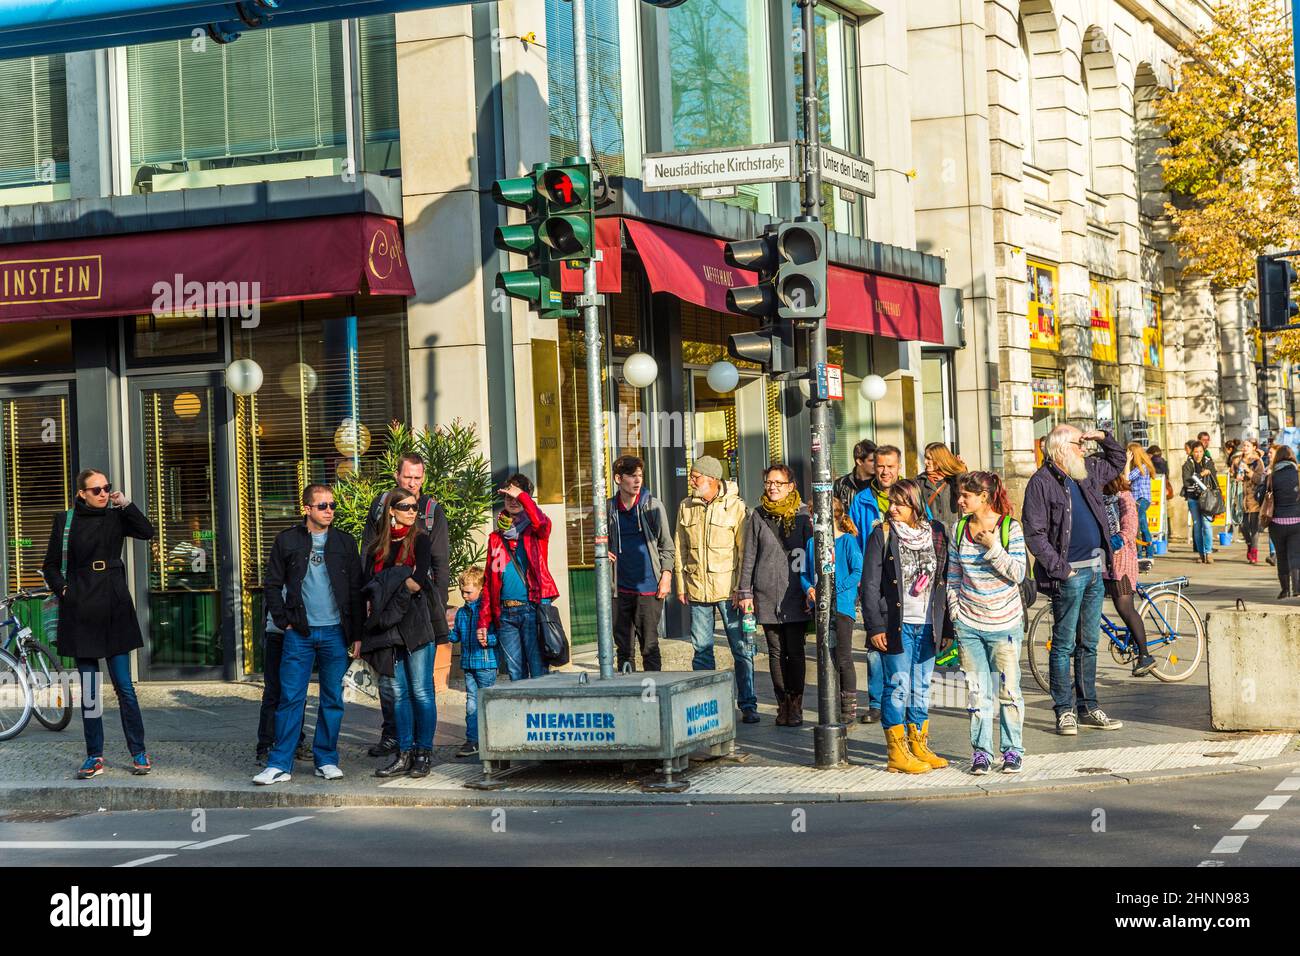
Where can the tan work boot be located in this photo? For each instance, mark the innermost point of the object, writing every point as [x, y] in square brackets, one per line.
[918, 739]
[900, 758]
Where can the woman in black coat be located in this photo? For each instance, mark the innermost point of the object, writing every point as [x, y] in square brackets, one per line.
[770, 586]
[400, 635]
[904, 601]
[96, 615]
[1284, 527]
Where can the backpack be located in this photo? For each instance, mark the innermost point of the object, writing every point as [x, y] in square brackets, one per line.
[1028, 587]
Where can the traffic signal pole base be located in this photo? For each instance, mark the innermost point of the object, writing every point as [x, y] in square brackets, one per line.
[830, 746]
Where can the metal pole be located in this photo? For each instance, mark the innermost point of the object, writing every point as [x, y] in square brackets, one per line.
[830, 738]
[595, 354]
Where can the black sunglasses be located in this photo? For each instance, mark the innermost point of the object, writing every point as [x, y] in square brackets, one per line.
[98, 490]
[409, 506]
[325, 506]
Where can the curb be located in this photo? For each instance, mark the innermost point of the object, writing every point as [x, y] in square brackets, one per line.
[118, 798]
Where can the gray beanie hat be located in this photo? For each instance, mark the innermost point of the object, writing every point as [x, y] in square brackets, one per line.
[709, 467]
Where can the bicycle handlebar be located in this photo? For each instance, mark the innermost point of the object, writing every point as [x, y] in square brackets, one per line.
[24, 594]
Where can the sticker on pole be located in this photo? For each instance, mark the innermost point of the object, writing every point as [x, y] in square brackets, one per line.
[830, 383]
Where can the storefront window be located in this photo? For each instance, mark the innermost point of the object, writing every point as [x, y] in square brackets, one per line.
[170, 337]
[1153, 333]
[1044, 306]
[44, 345]
[1102, 321]
[1048, 388]
[1157, 416]
[938, 406]
[35, 480]
[271, 106]
[837, 85]
[854, 418]
[33, 130]
[605, 76]
[1105, 407]
[335, 376]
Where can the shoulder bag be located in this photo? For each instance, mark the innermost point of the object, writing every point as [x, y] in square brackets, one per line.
[550, 629]
[1267, 504]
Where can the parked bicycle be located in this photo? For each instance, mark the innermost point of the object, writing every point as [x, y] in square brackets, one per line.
[1175, 634]
[33, 681]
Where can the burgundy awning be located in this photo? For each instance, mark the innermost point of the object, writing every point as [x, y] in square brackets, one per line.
[692, 267]
[216, 268]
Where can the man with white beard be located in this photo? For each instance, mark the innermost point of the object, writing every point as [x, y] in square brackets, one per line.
[1066, 532]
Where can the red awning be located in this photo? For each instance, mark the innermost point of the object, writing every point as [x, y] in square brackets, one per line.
[217, 268]
[691, 266]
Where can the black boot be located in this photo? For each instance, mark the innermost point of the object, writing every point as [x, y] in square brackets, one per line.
[421, 763]
[400, 766]
[386, 746]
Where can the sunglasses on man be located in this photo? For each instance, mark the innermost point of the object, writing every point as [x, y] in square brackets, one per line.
[325, 506]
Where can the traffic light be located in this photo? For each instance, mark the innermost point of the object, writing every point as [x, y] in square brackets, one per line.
[770, 347]
[539, 284]
[754, 255]
[800, 281]
[569, 229]
[1275, 276]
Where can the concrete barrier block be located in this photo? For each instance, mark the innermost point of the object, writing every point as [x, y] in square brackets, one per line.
[1254, 662]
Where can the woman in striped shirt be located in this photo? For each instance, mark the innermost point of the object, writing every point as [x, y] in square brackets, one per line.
[986, 565]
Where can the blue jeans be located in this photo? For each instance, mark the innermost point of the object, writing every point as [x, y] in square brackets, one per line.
[991, 663]
[1144, 530]
[92, 703]
[322, 647]
[907, 676]
[1076, 630]
[415, 709]
[474, 679]
[1202, 538]
[875, 678]
[742, 648]
[517, 638]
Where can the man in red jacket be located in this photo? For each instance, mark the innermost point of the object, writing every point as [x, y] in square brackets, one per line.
[518, 580]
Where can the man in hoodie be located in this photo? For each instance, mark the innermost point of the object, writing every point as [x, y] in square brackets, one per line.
[641, 547]
[710, 541]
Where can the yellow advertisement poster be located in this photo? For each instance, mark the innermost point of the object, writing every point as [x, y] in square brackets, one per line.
[1044, 311]
[1221, 521]
[1156, 510]
[1153, 339]
[1104, 346]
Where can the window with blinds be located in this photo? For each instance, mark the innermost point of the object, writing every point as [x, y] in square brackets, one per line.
[33, 122]
[35, 481]
[327, 364]
[606, 79]
[276, 96]
[379, 115]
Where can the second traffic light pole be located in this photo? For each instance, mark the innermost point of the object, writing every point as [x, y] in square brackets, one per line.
[830, 737]
[591, 334]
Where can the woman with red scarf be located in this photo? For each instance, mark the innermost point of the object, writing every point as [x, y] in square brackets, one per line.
[401, 633]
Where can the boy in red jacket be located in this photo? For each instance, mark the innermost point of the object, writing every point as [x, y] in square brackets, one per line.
[518, 580]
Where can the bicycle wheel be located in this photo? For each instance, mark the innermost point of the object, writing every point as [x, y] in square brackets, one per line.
[51, 685]
[1175, 635]
[15, 698]
[1039, 643]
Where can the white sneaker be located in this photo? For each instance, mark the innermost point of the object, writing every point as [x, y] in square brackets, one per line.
[329, 771]
[271, 775]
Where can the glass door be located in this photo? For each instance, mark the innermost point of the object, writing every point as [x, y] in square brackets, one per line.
[731, 427]
[180, 476]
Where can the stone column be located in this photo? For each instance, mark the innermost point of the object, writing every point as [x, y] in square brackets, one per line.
[1236, 367]
[1200, 364]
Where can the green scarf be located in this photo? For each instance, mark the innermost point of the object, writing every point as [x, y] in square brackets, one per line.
[882, 499]
[786, 509]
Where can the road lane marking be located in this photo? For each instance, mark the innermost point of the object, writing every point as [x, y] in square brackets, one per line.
[93, 844]
[148, 859]
[1274, 801]
[1250, 821]
[281, 823]
[1290, 783]
[231, 838]
[1229, 844]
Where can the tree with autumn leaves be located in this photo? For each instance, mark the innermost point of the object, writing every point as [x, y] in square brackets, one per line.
[1231, 164]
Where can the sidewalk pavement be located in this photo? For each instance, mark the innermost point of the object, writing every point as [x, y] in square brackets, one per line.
[202, 739]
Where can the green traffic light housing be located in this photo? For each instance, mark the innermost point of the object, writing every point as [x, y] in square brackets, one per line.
[569, 230]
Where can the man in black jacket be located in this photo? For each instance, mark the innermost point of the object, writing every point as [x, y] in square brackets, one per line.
[431, 516]
[1067, 532]
[313, 594]
[642, 549]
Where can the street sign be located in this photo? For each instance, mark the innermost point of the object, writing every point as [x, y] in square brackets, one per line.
[830, 383]
[849, 172]
[712, 168]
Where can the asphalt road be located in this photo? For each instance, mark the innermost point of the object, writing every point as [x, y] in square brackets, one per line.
[1183, 823]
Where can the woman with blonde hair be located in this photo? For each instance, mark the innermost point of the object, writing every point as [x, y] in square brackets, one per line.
[848, 573]
[1140, 472]
[939, 484]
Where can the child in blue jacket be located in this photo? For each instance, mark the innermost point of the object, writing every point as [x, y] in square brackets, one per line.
[478, 656]
[848, 574]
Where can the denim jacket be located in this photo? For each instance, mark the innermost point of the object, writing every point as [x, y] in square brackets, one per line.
[473, 655]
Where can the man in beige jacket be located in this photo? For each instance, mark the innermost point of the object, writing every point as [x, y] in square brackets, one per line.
[710, 529]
